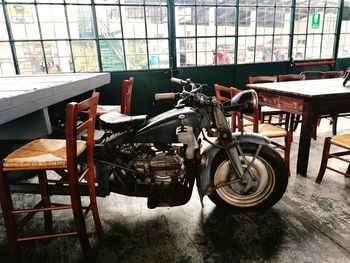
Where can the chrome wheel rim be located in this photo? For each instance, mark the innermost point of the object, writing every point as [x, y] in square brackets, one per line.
[260, 168]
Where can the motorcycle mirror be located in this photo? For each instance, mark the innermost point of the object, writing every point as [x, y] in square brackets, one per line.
[245, 101]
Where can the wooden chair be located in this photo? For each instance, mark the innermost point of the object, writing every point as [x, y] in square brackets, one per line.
[125, 102]
[224, 94]
[283, 116]
[266, 129]
[294, 119]
[313, 74]
[49, 154]
[342, 141]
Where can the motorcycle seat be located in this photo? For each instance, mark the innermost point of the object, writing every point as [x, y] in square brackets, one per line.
[118, 122]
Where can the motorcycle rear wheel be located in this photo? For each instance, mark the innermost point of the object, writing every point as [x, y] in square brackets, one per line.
[268, 167]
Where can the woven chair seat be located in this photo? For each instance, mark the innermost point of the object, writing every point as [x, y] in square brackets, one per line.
[341, 140]
[102, 109]
[41, 154]
[269, 130]
[268, 109]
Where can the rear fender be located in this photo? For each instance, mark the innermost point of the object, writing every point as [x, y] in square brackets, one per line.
[208, 155]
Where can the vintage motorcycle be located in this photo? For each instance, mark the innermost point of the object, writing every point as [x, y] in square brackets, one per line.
[162, 157]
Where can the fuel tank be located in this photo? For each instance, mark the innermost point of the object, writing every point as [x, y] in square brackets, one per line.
[162, 128]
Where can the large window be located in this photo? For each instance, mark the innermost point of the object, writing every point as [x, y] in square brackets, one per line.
[49, 36]
[315, 29]
[264, 30]
[344, 41]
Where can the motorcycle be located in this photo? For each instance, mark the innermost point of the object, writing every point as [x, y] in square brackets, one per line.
[161, 158]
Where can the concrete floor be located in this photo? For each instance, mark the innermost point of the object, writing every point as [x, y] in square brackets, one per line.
[310, 224]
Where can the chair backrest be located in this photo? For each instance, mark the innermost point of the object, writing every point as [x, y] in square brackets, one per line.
[290, 77]
[313, 74]
[125, 105]
[223, 93]
[73, 129]
[333, 74]
[262, 79]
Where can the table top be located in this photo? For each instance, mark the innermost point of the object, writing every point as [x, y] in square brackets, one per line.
[21, 95]
[306, 88]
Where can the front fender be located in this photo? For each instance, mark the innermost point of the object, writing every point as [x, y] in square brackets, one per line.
[204, 180]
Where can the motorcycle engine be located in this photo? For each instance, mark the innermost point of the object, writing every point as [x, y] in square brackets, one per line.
[159, 167]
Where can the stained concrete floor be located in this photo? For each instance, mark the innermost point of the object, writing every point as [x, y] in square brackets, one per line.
[310, 224]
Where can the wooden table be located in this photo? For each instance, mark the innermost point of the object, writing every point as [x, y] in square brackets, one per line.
[24, 100]
[309, 98]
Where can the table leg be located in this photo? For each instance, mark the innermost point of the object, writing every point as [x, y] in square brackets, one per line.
[305, 138]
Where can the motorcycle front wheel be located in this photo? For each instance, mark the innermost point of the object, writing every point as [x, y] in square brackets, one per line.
[269, 169]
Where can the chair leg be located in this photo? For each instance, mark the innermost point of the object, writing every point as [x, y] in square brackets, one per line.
[45, 197]
[314, 130]
[93, 201]
[79, 216]
[334, 124]
[9, 218]
[296, 122]
[325, 154]
[348, 171]
[288, 143]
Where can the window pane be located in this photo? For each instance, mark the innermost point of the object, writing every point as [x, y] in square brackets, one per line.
[205, 51]
[263, 49]
[24, 1]
[3, 30]
[49, 1]
[313, 47]
[157, 21]
[112, 55]
[206, 2]
[265, 20]
[58, 56]
[300, 21]
[330, 20]
[6, 62]
[303, 3]
[23, 21]
[344, 46]
[136, 54]
[226, 2]
[248, 2]
[184, 2]
[280, 48]
[185, 21]
[327, 46]
[132, 2]
[246, 21]
[299, 42]
[107, 1]
[155, 2]
[186, 52]
[133, 22]
[108, 21]
[158, 53]
[80, 21]
[30, 58]
[226, 20]
[85, 55]
[245, 50]
[205, 21]
[52, 21]
[225, 51]
[282, 20]
[78, 1]
[334, 3]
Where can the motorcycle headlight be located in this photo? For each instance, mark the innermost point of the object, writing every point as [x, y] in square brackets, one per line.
[245, 101]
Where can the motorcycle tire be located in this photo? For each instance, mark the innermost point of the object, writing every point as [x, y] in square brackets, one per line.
[268, 166]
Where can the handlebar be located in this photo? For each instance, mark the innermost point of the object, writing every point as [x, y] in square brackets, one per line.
[164, 96]
[178, 81]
